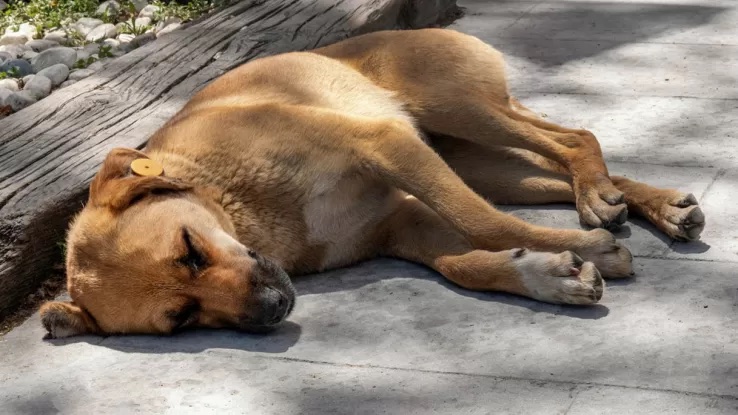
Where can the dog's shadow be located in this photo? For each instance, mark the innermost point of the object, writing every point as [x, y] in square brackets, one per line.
[288, 333]
[381, 269]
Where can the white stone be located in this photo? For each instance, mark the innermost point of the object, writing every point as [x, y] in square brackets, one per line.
[113, 43]
[80, 74]
[142, 39]
[13, 39]
[96, 66]
[39, 87]
[5, 56]
[15, 50]
[9, 84]
[3, 5]
[86, 24]
[49, 57]
[125, 37]
[29, 54]
[148, 11]
[19, 100]
[143, 21]
[27, 78]
[58, 36]
[28, 30]
[82, 55]
[39, 45]
[101, 32]
[4, 96]
[139, 4]
[110, 7]
[56, 73]
[67, 83]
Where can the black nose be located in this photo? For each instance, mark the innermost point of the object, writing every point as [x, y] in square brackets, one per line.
[278, 308]
[252, 253]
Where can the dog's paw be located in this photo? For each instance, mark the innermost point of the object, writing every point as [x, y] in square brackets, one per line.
[559, 278]
[679, 216]
[609, 256]
[602, 206]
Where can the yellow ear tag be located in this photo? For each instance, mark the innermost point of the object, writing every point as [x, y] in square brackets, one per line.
[146, 167]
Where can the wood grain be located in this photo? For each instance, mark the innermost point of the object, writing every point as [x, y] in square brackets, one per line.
[50, 151]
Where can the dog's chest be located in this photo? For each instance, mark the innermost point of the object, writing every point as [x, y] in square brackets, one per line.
[343, 214]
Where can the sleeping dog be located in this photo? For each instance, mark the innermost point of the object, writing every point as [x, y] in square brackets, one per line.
[388, 144]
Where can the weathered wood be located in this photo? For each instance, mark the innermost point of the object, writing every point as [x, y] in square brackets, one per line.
[50, 151]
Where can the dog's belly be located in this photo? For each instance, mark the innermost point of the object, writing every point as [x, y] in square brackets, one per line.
[344, 215]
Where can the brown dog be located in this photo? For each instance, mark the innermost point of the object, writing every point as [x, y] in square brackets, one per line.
[308, 161]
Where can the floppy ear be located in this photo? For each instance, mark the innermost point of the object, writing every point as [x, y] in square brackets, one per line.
[116, 186]
[63, 319]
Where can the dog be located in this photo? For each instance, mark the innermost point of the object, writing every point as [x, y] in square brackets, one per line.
[393, 144]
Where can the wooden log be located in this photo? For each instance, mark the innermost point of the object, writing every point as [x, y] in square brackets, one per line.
[50, 151]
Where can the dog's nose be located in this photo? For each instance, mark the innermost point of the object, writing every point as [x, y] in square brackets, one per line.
[278, 308]
[252, 253]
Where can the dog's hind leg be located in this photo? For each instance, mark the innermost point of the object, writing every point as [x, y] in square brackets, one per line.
[416, 233]
[512, 176]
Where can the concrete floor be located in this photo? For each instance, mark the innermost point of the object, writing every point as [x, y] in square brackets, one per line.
[657, 82]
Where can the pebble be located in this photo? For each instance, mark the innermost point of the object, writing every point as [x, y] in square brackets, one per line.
[4, 96]
[139, 4]
[142, 21]
[9, 84]
[86, 24]
[19, 100]
[23, 67]
[28, 55]
[113, 43]
[27, 78]
[39, 87]
[101, 32]
[142, 39]
[58, 36]
[15, 50]
[111, 7]
[5, 56]
[67, 83]
[39, 45]
[60, 54]
[56, 73]
[97, 65]
[13, 39]
[79, 74]
[125, 37]
[148, 11]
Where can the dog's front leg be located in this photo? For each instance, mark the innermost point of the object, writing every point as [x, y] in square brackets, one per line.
[415, 232]
[396, 153]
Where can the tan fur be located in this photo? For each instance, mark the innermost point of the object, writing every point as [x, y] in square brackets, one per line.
[314, 160]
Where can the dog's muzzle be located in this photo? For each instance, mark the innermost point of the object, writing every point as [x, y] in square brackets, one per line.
[271, 300]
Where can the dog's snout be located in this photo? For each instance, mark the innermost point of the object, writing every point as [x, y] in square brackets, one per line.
[252, 253]
[277, 308]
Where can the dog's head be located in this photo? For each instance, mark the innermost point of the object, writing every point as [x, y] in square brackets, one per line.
[152, 254]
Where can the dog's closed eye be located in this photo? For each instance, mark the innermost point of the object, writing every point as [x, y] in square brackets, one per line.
[193, 259]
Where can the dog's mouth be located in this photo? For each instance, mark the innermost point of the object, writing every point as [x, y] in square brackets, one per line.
[271, 302]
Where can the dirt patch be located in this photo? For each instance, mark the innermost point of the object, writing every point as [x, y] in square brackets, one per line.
[49, 290]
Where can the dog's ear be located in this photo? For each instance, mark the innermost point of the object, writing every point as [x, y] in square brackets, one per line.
[64, 319]
[117, 185]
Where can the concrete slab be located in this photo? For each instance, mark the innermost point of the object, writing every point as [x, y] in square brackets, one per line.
[389, 336]
[617, 401]
[672, 328]
[649, 130]
[700, 22]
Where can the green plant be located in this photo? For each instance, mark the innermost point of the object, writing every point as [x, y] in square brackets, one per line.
[83, 63]
[3, 75]
[105, 52]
